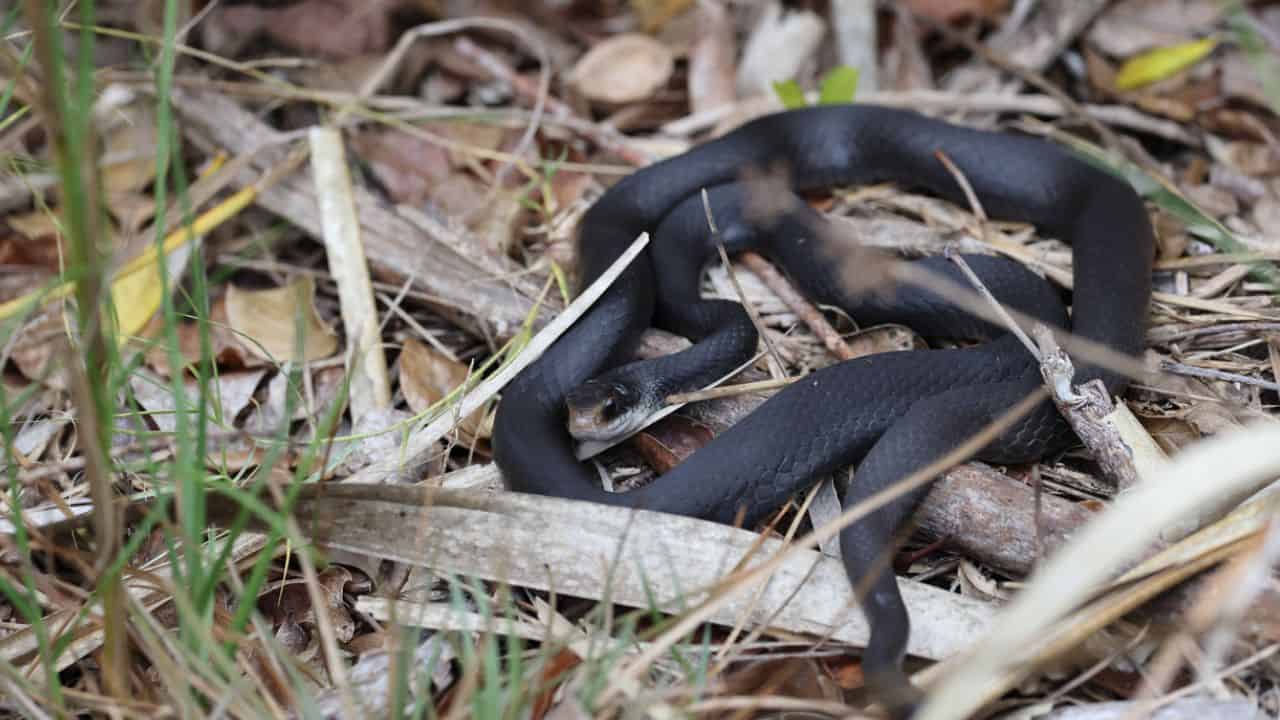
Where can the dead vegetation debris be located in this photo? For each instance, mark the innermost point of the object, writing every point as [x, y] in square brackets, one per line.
[328, 228]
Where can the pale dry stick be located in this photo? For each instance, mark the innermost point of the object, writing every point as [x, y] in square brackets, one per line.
[1244, 585]
[785, 705]
[179, 671]
[19, 697]
[1091, 672]
[1222, 258]
[1064, 278]
[721, 656]
[399, 120]
[975, 206]
[395, 306]
[370, 389]
[285, 89]
[732, 583]
[823, 504]
[1160, 672]
[1239, 460]
[334, 663]
[998, 307]
[419, 444]
[1210, 354]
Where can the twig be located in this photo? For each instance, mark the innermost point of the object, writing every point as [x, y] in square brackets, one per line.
[984, 230]
[779, 367]
[445, 27]
[1178, 368]
[1034, 79]
[996, 305]
[797, 303]
[729, 390]
[370, 389]
[1240, 461]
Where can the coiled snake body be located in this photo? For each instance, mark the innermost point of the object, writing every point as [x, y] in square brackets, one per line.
[892, 413]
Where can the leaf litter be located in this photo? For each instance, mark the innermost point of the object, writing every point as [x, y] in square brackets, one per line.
[466, 227]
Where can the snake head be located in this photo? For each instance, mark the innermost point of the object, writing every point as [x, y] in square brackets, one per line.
[603, 411]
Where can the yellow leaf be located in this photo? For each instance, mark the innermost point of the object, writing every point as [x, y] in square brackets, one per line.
[269, 321]
[136, 295]
[144, 263]
[1162, 62]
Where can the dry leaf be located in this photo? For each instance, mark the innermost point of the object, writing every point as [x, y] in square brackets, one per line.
[671, 442]
[426, 377]
[269, 321]
[1162, 62]
[623, 69]
[334, 28]
[38, 226]
[226, 349]
[130, 153]
[785, 677]
[230, 394]
[408, 166]
[1126, 28]
[38, 353]
[136, 296]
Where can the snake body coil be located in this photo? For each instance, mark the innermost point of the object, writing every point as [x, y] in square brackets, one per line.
[891, 414]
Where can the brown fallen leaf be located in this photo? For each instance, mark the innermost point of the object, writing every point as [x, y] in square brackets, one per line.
[427, 376]
[38, 353]
[947, 11]
[227, 352]
[129, 163]
[230, 393]
[333, 28]
[278, 323]
[623, 69]
[783, 677]
[30, 253]
[495, 218]
[408, 166]
[671, 442]
[288, 602]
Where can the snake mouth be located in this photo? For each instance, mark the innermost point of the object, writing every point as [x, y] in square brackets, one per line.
[603, 412]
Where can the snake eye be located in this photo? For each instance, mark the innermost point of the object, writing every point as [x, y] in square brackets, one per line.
[609, 408]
